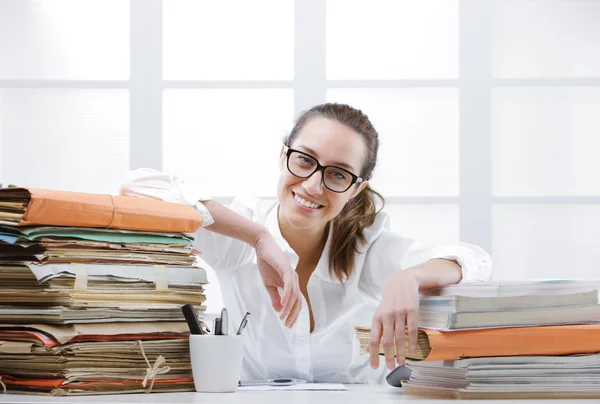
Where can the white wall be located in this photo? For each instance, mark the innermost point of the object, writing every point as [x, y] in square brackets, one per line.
[487, 109]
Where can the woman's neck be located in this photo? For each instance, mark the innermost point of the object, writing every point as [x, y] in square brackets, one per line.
[307, 243]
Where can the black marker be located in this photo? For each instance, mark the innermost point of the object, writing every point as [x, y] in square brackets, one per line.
[190, 316]
[218, 326]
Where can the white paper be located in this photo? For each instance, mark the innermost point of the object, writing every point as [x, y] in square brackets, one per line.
[299, 386]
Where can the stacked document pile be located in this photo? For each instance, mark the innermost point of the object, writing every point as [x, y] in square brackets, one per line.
[91, 293]
[511, 340]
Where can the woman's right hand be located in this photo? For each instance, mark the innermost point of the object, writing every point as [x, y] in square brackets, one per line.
[276, 273]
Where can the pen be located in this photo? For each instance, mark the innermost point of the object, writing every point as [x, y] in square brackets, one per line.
[224, 322]
[217, 326]
[190, 317]
[243, 324]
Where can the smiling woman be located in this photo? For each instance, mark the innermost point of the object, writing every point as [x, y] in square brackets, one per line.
[328, 249]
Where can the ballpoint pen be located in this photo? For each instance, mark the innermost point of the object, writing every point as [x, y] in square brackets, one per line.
[243, 324]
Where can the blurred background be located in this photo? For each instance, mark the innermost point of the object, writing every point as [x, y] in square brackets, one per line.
[488, 110]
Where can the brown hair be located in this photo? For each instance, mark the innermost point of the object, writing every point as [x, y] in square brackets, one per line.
[360, 211]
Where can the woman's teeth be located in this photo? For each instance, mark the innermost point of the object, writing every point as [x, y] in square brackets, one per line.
[306, 203]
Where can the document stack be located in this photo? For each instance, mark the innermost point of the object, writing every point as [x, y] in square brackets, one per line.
[91, 293]
[506, 340]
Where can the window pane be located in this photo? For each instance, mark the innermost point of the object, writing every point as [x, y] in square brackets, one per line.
[534, 242]
[545, 141]
[546, 38]
[75, 140]
[392, 39]
[428, 224]
[228, 40]
[418, 155]
[226, 141]
[64, 39]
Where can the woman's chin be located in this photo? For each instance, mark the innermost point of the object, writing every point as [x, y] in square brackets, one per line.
[299, 220]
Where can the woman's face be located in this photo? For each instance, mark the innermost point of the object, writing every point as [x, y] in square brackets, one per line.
[331, 143]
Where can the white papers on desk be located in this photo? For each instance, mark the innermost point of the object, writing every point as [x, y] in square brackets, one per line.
[299, 386]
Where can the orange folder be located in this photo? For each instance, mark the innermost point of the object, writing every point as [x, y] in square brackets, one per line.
[64, 208]
[546, 340]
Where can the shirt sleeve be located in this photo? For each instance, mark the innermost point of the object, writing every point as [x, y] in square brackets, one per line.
[220, 252]
[389, 252]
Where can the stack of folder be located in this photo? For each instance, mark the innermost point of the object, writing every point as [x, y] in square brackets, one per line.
[506, 340]
[91, 295]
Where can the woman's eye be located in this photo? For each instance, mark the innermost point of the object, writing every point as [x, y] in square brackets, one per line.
[338, 175]
[305, 160]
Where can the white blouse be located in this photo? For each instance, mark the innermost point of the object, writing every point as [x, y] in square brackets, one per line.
[331, 352]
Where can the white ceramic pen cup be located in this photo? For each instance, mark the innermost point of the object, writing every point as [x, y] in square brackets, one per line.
[216, 362]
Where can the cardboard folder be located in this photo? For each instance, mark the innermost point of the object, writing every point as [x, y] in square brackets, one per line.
[32, 206]
[549, 340]
[434, 345]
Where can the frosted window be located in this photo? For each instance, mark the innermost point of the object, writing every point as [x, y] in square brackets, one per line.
[226, 141]
[546, 38]
[434, 225]
[64, 39]
[76, 140]
[392, 39]
[535, 242]
[418, 129]
[545, 141]
[228, 39]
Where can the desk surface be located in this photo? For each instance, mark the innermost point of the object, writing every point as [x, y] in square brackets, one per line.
[356, 394]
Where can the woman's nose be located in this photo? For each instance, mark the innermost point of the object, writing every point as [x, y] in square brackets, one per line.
[314, 184]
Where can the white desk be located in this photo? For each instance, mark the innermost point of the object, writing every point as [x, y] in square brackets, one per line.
[356, 394]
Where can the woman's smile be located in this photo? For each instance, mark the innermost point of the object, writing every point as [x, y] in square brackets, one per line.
[305, 204]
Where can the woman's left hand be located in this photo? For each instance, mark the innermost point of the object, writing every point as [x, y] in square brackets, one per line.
[397, 312]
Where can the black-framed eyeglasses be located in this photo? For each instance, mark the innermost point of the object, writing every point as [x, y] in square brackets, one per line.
[303, 165]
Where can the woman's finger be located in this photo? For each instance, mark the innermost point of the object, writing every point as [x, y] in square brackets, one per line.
[294, 314]
[275, 298]
[400, 338]
[374, 340]
[289, 297]
[388, 342]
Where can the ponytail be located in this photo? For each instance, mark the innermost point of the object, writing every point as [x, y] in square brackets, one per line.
[348, 232]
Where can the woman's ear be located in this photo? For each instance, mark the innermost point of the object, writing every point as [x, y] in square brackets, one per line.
[358, 190]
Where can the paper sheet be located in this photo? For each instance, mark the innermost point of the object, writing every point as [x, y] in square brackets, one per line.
[296, 387]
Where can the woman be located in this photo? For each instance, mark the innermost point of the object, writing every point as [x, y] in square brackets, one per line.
[326, 248]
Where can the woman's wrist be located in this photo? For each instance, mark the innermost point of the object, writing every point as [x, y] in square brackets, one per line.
[232, 224]
[434, 273]
[258, 233]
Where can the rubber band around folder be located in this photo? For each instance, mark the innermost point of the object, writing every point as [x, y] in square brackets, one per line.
[161, 281]
[153, 371]
[81, 277]
[3, 385]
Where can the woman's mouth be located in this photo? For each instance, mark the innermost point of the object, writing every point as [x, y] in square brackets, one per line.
[307, 205]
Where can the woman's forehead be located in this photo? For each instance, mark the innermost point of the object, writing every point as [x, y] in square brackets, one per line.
[332, 143]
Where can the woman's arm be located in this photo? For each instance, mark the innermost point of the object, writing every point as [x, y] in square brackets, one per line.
[274, 268]
[433, 273]
[231, 224]
[396, 269]
[223, 252]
